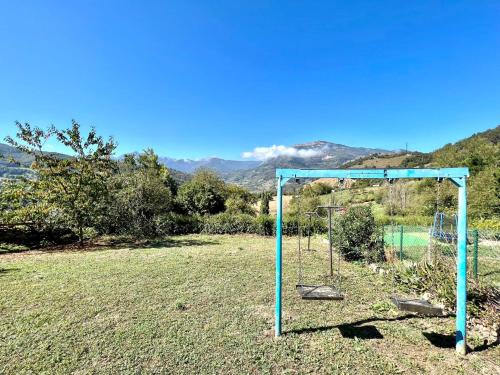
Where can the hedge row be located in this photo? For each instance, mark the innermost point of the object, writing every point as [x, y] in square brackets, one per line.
[225, 223]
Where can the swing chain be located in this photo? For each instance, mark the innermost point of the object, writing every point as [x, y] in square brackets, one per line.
[391, 213]
[299, 229]
[393, 247]
[339, 277]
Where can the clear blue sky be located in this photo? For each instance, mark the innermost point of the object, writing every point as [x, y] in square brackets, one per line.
[203, 78]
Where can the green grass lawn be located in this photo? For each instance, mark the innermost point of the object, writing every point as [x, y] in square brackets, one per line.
[205, 304]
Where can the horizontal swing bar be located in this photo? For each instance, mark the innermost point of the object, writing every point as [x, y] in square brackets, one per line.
[286, 174]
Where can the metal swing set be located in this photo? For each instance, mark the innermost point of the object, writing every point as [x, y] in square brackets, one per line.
[333, 292]
[329, 290]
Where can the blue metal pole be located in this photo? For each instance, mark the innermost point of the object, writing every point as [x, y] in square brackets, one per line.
[279, 246]
[461, 320]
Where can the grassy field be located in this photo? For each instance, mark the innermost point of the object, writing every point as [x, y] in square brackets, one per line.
[204, 304]
[378, 162]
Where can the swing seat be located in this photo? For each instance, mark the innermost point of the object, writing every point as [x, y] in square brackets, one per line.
[319, 292]
[416, 305]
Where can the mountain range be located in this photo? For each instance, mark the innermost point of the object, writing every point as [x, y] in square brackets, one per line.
[319, 154]
[216, 164]
[259, 175]
[252, 174]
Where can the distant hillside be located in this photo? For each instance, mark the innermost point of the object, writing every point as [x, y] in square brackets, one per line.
[216, 164]
[328, 155]
[15, 163]
[23, 161]
[479, 152]
[411, 159]
[476, 152]
[7, 152]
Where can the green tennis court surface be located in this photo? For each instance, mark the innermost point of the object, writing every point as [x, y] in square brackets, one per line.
[409, 238]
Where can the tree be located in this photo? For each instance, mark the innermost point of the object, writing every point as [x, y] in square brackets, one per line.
[315, 189]
[149, 161]
[204, 194]
[22, 203]
[304, 204]
[239, 200]
[75, 186]
[265, 198]
[484, 194]
[141, 193]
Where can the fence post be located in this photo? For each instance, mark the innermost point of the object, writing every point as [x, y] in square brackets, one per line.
[383, 237]
[401, 243]
[476, 249]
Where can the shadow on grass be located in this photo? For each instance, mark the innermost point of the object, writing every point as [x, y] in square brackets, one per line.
[4, 271]
[121, 243]
[155, 243]
[489, 273]
[440, 340]
[350, 331]
[4, 249]
[368, 330]
[170, 242]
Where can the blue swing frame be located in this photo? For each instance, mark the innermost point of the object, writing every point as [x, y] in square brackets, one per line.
[457, 175]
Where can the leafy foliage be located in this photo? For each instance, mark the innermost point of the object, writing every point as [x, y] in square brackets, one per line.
[316, 189]
[226, 223]
[304, 204]
[239, 200]
[141, 192]
[76, 187]
[176, 224]
[356, 235]
[203, 194]
[265, 198]
[481, 154]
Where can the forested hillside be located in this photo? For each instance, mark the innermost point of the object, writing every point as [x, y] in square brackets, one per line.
[479, 152]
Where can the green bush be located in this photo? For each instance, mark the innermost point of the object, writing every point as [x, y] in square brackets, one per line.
[307, 204]
[265, 225]
[239, 200]
[204, 194]
[316, 189]
[175, 224]
[226, 223]
[357, 236]
[290, 225]
[28, 238]
[489, 224]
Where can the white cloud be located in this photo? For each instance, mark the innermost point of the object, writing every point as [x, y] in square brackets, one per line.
[264, 153]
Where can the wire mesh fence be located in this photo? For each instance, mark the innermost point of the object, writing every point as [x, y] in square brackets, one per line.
[416, 243]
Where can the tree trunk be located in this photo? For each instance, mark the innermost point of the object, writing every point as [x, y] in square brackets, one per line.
[80, 234]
